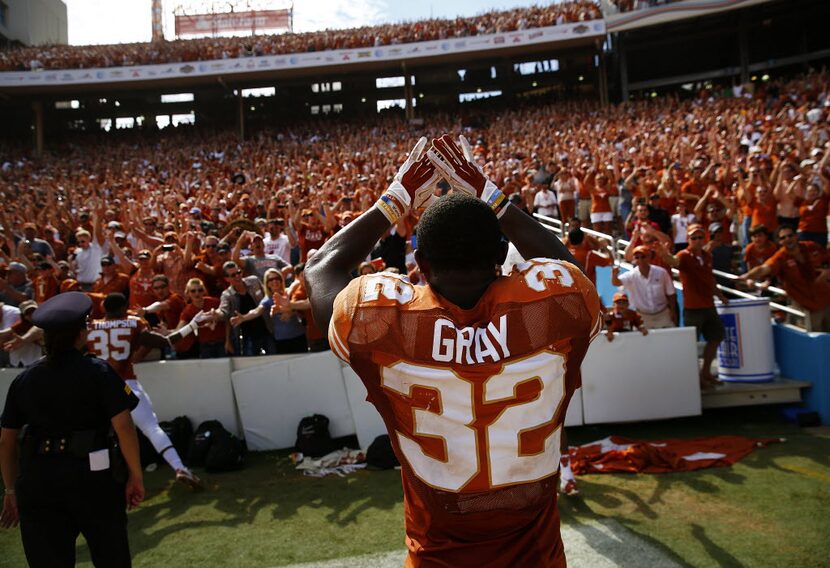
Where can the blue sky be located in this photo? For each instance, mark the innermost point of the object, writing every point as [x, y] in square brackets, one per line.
[120, 21]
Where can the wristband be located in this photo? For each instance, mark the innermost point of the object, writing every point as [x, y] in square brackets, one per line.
[492, 196]
[392, 204]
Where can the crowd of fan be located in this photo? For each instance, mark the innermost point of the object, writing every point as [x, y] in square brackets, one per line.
[184, 220]
[92, 56]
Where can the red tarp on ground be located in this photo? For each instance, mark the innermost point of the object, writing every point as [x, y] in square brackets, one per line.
[617, 454]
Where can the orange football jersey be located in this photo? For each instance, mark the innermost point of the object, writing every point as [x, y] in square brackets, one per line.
[116, 340]
[474, 402]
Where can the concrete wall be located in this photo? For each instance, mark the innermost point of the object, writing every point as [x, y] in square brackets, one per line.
[36, 22]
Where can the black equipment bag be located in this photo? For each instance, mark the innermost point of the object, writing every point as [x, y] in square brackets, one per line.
[380, 454]
[226, 453]
[313, 438]
[203, 438]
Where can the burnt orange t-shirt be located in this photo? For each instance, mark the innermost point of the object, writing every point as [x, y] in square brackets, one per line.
[474, 401]
[45, 287]
[119, 283]
[756, 256]
[813, 216]
[697, 279]
[799, 278]
[141, 290]
[765, 214]
[312, 331]
[626, 320]
[116, 340]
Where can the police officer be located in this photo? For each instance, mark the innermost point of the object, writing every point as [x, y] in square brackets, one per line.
[65, 481]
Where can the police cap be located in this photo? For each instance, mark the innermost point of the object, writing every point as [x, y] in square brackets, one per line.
[62, 311]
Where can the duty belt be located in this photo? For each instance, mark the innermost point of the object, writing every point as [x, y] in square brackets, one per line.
[78, 443]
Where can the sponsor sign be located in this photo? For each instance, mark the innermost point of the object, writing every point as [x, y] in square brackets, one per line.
[204, 24]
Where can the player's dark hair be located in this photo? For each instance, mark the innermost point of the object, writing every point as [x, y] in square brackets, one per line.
[459, 232]
[114, 303]
[575, 237]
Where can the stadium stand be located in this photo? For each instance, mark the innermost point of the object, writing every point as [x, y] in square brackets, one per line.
[73, 57]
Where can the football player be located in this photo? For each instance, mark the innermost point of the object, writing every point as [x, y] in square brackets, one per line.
[116, 338]
[471, 374]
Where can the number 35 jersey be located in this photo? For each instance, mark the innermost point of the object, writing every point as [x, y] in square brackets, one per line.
[474, 401]
[116, 340]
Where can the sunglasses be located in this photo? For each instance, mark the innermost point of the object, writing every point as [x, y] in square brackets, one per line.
[196, 290]
[698, 238]
[234, 274]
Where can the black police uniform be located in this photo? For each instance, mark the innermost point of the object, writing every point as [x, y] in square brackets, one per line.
[66, 405]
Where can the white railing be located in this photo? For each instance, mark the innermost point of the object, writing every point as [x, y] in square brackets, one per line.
[618, 247]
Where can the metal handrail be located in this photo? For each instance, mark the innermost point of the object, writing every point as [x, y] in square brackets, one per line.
[618, 247]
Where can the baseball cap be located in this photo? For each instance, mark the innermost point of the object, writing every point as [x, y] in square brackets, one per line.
[27, 305]
[714, 228]
[19, 266]
[642, 249]
[195, 211]
[620, 297]
[107, 260]
[30, 226]
[144, 254]
[120, 235]
[696, 228]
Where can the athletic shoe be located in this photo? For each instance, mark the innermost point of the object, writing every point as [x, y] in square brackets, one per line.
[569, 488]
[189, 478]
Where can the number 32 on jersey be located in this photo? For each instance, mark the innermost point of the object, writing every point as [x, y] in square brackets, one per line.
[507, 464]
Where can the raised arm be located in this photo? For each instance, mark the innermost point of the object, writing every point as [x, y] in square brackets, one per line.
[328, 272]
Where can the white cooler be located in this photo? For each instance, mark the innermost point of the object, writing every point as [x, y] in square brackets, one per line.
[746, 354]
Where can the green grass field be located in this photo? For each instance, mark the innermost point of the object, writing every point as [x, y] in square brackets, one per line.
[771, 509]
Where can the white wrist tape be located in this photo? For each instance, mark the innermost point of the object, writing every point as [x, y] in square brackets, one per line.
[192, 327]
[395, 202]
